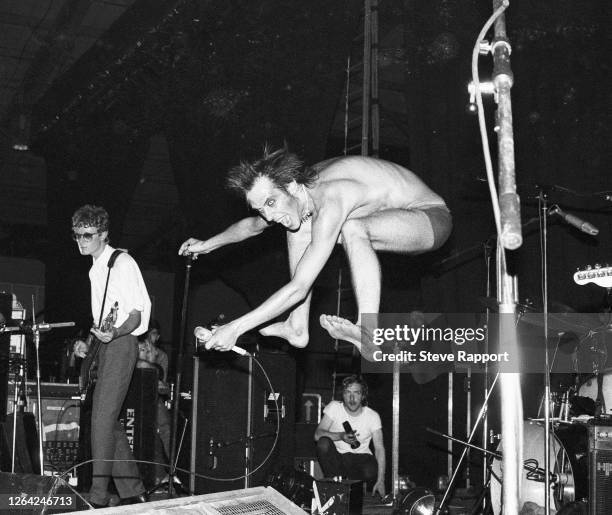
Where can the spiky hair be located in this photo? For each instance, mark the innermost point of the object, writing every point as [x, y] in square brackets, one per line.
[280, 166]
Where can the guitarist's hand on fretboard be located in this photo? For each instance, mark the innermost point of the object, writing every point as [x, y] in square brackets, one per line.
[80, 349]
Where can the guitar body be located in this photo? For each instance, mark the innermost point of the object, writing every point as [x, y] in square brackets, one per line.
[89, 365]
[89, 369]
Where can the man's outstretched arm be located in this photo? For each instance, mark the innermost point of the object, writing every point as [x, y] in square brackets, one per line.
[325, 231]
[240, 231]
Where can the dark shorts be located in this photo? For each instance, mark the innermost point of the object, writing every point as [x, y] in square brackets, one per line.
[441, 224]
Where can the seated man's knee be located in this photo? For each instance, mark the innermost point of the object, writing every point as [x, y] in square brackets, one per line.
[324, 445]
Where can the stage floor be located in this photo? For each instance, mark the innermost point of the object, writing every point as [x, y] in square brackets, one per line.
[372, 506]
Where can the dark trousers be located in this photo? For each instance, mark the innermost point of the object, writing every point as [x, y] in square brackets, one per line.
[348, 465]
[117, 360]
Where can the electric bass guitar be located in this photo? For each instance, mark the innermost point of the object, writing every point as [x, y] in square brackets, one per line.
[600, 275]
[89, 365]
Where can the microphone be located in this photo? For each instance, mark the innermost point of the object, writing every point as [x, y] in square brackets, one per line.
[578, 223]
[347, 427]
[203, 335]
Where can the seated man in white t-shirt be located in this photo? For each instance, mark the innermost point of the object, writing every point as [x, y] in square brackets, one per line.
[347, 453]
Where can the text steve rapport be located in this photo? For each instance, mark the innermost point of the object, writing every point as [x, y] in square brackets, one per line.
[411, 335]
[423, 356]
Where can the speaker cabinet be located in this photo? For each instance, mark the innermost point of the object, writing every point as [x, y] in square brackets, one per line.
[347, 496]
[60, 405]
[600, 470]
[234, 419]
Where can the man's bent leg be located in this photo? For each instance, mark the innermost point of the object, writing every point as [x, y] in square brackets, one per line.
[295, 328]
[397, 230]
[116, 365]
[360, 466]
[329, 457]
[365, 275]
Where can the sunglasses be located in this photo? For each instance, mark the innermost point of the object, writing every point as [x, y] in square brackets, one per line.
[86, 236]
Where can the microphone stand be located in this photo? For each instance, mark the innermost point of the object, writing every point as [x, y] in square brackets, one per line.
[173, 458]
[19, 397]
[544, 244]
[510, 238]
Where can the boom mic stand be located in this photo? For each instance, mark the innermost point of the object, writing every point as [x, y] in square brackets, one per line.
[173, 458]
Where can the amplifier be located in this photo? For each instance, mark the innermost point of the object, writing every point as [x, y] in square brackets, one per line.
[600, 469]
[60, 420]
[347, 496]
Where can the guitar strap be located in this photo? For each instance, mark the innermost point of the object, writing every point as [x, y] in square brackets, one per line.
[111, 262]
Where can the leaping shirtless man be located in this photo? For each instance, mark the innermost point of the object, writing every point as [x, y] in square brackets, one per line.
[365, 204]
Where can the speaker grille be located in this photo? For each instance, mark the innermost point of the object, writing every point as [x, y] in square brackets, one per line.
[261, 507]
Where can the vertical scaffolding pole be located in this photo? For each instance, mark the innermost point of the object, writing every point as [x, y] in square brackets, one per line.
[367, 76]
[375, 110]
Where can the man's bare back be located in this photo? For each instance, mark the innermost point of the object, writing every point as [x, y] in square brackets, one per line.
[368, 185]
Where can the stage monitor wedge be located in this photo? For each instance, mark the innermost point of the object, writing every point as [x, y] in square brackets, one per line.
[249, 501]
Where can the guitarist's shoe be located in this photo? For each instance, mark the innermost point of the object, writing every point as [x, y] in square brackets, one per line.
[136, 499]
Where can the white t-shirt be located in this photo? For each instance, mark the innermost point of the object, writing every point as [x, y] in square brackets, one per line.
[365, 424]
[125, 286]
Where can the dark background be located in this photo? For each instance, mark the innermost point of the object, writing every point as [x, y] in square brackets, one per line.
[147, 119]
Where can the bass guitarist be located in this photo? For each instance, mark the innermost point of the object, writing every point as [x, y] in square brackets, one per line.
[121, 287]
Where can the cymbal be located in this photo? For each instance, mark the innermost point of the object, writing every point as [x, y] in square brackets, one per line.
[493, 305]
[561, 322]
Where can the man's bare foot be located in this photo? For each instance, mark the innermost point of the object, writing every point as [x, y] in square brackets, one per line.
[297, 338]
[343, 329]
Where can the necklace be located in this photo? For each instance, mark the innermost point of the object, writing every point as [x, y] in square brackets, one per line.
[308, 213]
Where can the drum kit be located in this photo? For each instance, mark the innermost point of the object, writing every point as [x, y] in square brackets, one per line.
[574, 405]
